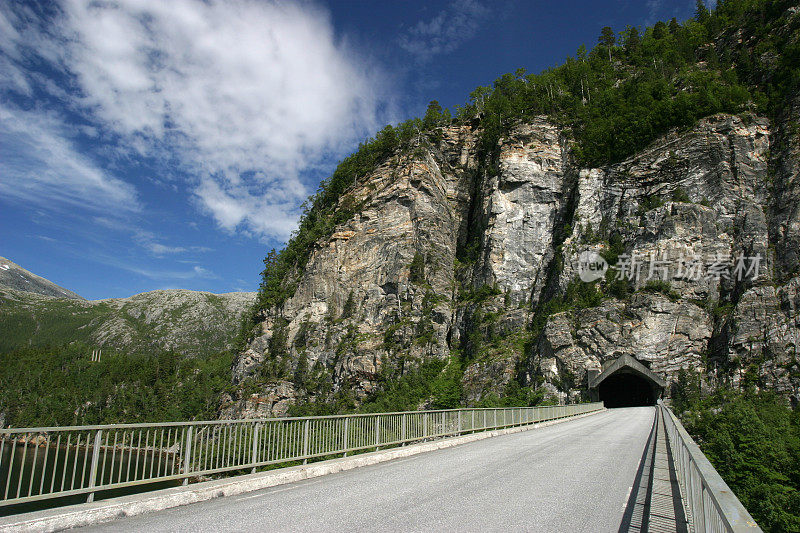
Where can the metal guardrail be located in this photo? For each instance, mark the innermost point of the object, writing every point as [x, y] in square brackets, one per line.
[52, 462]
[711, 504]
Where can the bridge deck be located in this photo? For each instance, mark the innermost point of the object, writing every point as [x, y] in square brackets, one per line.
[575, 476]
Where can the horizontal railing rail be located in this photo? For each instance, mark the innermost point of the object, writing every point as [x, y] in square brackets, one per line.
[53, 462]
[711, 505]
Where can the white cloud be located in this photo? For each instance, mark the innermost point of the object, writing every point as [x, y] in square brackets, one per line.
[445, 32]
[145, 239]
[244, 94]
[40, 166]
[235, 206]
[196, 272]
[159, 249]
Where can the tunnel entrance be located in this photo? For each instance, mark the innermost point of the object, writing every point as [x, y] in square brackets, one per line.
[626, 390]
[625, 382]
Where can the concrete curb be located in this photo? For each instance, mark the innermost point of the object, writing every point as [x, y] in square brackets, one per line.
[85, 514]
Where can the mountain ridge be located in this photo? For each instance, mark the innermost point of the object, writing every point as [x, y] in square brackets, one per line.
[193, 323]
[13, 276]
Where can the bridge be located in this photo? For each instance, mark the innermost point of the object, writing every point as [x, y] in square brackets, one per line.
[579, 467]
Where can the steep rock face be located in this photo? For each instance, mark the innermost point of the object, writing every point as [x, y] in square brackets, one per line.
[717, 171]
[499, 242]
[358, 306]
[762, 337]
[521, 205]
[688, 202]
[785, 201]
[665, 335]
[273, 400]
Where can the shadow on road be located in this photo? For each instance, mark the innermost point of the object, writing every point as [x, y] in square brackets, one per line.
[636, 511]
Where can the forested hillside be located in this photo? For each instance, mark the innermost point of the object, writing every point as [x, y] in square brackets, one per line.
[164, 355]
[195, 324]
[62, 386]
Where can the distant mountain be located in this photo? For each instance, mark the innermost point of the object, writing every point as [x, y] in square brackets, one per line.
[13, 276]
[192, 323]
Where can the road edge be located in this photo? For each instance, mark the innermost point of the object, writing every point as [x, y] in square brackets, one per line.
[61, 518]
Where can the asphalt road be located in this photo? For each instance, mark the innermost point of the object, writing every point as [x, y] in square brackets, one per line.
[572, 477]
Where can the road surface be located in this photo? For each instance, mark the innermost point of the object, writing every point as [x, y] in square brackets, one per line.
[575, 476]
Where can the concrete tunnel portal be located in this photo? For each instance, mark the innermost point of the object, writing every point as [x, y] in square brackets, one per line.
[625, 382]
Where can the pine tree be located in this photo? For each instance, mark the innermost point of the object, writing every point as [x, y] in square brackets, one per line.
[433, 116]
[659, 30]
[607, 39]
[701, 13]
[632, 42]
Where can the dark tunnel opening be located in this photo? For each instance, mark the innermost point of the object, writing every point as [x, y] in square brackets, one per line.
[627, 390]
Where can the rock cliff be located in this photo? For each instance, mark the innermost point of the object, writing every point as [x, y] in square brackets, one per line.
[446, 257]
[640, 200]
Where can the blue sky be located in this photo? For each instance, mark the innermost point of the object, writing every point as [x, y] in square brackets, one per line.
[148, 144]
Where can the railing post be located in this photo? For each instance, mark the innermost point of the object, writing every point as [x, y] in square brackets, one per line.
[459, 421]
[256, 433]
[346, 434]
[425, 425]
[305, 441]
[403, 428]
[187, 456]
[377, 432]
[95, 458]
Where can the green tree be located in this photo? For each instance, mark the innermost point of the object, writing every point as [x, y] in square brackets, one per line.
[701, 13]
[753, 440]
[433, 116]
[607, 39]
[301, 371]
[632, 41]
[659, 30]
[416, 270]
